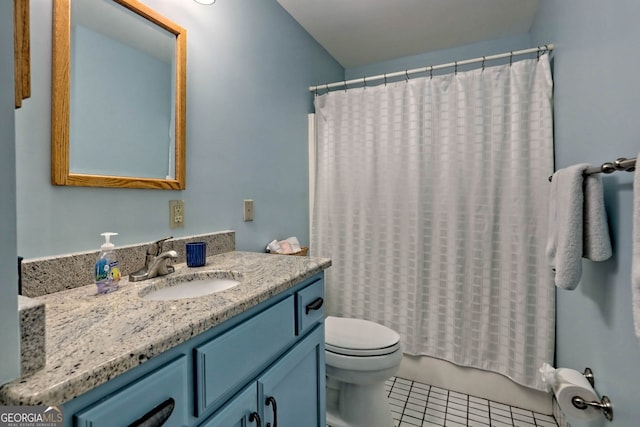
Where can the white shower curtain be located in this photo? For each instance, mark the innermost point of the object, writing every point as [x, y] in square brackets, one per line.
[431, 200]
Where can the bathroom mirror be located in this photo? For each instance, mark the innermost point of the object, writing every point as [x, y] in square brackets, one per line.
[118, 96]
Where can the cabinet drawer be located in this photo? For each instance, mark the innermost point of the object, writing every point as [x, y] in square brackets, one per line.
[154, 396]
[309, 306]
[230, 360]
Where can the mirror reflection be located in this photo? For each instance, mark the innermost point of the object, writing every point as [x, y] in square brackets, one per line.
[135, 57]
[125, 88]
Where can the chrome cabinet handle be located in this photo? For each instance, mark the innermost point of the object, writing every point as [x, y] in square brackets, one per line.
[255, 417]
[313, 305]
[272, 401]
[157, 416]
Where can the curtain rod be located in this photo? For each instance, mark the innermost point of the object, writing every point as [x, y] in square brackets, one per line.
[406, 73]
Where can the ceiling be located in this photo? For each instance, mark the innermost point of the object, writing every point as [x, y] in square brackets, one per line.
[360, 32]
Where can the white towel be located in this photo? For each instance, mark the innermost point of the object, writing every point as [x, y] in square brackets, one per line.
[577, 224]
[596, 240]
[564, 247]
[635, 259]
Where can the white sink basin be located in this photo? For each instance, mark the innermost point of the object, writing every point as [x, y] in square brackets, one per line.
[190, 285]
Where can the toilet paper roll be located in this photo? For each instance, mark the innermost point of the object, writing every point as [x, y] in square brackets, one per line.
[572, 383]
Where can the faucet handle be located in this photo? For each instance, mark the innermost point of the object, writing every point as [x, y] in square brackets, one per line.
[155, 248]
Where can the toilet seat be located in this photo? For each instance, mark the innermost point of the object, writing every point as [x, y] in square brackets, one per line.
[359, 338]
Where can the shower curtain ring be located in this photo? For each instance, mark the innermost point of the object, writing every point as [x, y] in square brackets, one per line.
[542, 51]
[345, 85]
[364, 80]
[455, 69]
[431, 72]
[406, 75]
[510, 58]
[327, 87]
[385, 79]
[484, 58]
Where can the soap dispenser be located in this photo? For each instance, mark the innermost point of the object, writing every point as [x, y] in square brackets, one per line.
[107, 272]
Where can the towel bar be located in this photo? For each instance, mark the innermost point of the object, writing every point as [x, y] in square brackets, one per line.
[620, 164]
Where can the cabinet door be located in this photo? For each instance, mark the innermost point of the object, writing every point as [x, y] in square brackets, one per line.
[239, 412]
[293, 389]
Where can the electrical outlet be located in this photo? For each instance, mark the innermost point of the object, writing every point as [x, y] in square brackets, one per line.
[176, 213]
[247, 209]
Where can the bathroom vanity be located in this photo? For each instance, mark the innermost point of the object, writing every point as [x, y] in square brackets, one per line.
[252, 355]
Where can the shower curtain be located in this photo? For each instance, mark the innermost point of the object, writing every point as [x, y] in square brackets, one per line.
[431, 200]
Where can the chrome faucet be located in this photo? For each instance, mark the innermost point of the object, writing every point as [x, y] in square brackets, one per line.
[155, 263]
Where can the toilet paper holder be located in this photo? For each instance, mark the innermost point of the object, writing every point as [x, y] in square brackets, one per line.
[604, 405]
[588, 374]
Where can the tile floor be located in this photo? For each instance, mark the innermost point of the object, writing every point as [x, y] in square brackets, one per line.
[416, 404]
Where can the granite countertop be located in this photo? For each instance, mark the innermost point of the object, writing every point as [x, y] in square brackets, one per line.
[92, 338]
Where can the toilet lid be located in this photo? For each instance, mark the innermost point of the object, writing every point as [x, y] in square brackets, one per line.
[357, 337]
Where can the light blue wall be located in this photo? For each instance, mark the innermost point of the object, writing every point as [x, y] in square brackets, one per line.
[597, 110]
[9, 338]
[249, 65]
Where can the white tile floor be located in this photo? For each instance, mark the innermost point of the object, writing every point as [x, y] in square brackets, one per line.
[416, 404]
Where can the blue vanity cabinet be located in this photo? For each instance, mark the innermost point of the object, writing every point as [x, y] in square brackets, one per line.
[264, 365]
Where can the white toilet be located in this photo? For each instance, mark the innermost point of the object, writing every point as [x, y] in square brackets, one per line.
[360, 356]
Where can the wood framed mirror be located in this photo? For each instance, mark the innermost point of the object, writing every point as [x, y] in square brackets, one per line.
[118, 96]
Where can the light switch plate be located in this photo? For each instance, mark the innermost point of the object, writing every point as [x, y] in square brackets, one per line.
[247, 208]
